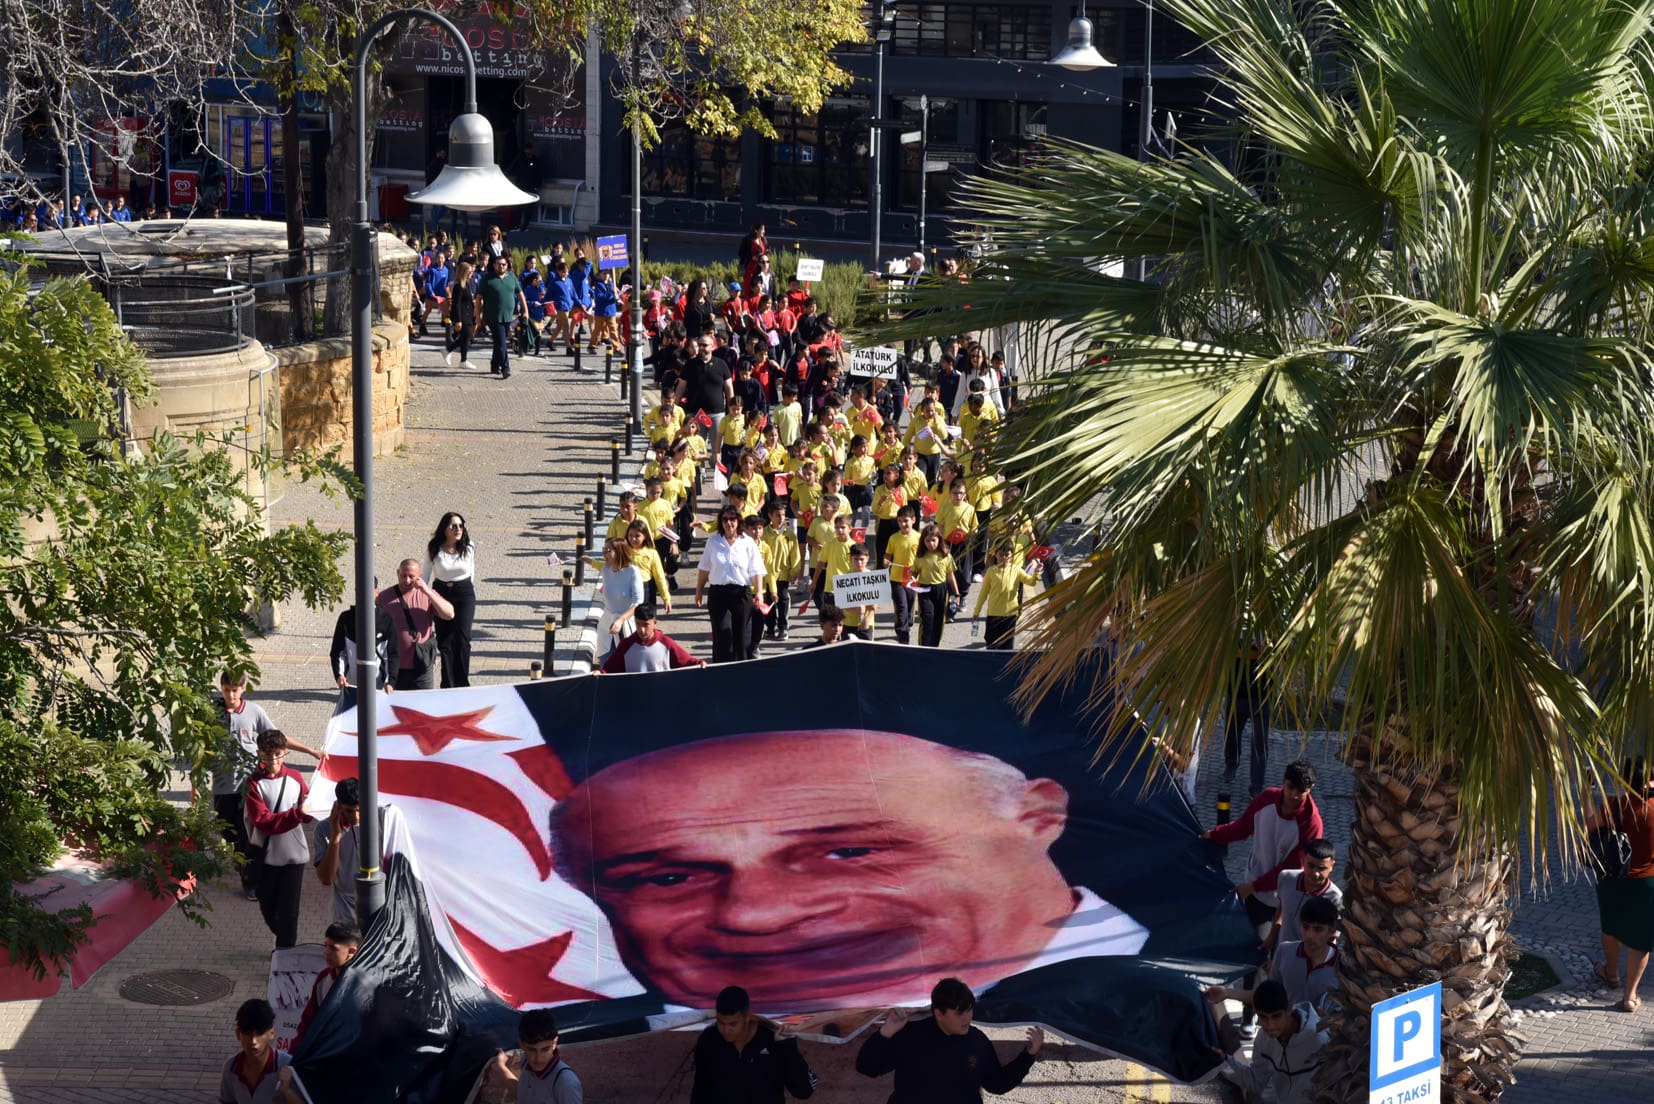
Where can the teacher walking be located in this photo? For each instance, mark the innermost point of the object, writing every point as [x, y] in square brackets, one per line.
[451, 567]
[731, 565]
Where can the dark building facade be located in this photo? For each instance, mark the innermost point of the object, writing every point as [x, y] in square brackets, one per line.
[982, 67]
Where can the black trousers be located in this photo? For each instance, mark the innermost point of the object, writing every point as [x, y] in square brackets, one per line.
[882, 532]
[731, 608]
[776, 620]
[901, 600]
[453, 637]
[278, 899]
[1002, 633]
[501, 359]
[668, 558]
[227, 807]
[933, 610]
[931, 465]
[460, 338]
[1242, 710]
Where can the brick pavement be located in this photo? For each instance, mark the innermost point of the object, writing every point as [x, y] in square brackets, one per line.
[517, 457]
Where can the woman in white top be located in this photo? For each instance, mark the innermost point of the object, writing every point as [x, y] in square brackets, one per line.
[622, 590]
[451, 568]
[732, 565]
[976, 367]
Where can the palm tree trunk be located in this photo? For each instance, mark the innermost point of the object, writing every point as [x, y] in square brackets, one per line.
[1420, 906]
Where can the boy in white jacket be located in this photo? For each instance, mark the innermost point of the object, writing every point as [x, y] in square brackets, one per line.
[1287, 1052]
[273, 804]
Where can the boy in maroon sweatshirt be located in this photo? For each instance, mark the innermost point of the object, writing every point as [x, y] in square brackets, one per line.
[273, 805]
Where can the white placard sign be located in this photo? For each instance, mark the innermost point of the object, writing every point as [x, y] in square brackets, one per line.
[862, 588]
[809, 268]
[874, 360]
[1406, 1048]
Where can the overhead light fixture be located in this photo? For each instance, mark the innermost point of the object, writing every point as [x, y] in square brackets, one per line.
[471, 181]
[1080, 55]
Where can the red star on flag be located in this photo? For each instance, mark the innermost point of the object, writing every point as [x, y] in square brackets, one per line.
[521, 975]
[434, 732]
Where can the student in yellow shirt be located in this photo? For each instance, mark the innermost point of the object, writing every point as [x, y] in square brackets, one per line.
[732, 434]
[821, 448]
[822, 527]
[899, 554]
[914, 481]
[758, 488]
[657, 513]
[625, 514]
[934, 572]
[859, 471]
[889, 449]
[656, 586]
[806, 493]
[927, 435]
[978, 415]
[987, 494]
[782, 565]
[663, 422]
[957, 521]
[772, 454]
[1002, 591]
[788, 417]
[888, 499]
[864, 417]
[858, 620]
[835, 561]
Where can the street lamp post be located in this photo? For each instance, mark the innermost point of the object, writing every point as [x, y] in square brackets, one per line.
[635, 412]
[883, 31]
[471, 181]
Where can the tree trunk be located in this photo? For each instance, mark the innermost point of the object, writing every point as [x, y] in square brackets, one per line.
[1419, 906]
[300, 315]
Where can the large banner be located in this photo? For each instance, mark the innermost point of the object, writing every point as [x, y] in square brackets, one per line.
[834, 830]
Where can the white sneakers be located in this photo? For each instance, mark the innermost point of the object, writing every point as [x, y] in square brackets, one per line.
[468, 366]
[453, 358]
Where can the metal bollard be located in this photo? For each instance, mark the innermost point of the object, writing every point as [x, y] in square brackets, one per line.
[534, 671]
[602, 491]
[1096, 537]
[577, 344]
[609, 371]
[625, 377]
[580, 547]
[586, 509]
[629, 433]
[551, 642]
[1223, 818]
[614, 462]
[568, 595]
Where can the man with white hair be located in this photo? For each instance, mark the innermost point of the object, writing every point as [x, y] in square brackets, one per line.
[838, 868]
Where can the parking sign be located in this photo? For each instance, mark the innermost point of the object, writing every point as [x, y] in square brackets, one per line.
[1405, 1060]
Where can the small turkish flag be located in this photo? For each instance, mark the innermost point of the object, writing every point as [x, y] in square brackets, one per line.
[927, 505]
[704, 418]
[1041, 552]
[858, 534]
[780, 486]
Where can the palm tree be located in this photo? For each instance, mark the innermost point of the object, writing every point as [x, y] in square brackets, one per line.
[1383, 401]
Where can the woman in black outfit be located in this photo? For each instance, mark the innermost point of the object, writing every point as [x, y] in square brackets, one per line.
[698, 314]
[462, 317]
[451, 568]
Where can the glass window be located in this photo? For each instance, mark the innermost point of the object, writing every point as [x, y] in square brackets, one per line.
[683, 163]
[964, 28]
[1009, 131]
[943, 146]
[819, 159]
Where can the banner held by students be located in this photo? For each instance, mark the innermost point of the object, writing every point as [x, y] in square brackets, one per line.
[880, 847]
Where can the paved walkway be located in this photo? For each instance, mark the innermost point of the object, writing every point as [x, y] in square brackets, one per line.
[516, 457]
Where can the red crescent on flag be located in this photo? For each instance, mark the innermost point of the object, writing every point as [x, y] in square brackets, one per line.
[467, 789]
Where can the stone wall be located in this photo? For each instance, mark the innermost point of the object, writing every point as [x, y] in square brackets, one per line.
[215, 392]
[315, 389]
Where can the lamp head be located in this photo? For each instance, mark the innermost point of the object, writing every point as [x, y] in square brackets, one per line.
[471, 181]
[1080, 55]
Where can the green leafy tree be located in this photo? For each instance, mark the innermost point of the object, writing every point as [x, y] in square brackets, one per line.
[1381, 410]
[128, 579]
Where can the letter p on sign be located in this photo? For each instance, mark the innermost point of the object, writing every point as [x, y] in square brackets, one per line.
[1406, 1043]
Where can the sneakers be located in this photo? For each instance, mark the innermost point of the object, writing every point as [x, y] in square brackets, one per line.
[250, 893]
[453, 358]
[977, 578]
[1248, 1032]
[781, 636]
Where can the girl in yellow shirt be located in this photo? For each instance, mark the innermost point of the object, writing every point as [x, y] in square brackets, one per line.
[933, 571]
[859, 470]
[646, 559]
[1002, 591]
[782, 564]
[888, 499]
[927, 435]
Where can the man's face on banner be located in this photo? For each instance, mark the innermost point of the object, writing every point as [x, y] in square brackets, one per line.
[818, 869]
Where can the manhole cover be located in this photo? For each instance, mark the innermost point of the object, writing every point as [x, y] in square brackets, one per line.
[176, 987]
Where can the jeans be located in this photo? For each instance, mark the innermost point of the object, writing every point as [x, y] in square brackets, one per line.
[501, 360]
[1242, 710]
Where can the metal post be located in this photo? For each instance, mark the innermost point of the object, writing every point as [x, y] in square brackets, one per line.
[534, 670]
[875, 188]
[370, 879]
[614, 462]
[550, 643]
[586, 509]
[609, 369]
[568, 595]
[578, 342]
[580, 552]
[924, 178]
[1145, 127]
[628, 435]
[625, 377]
[602, 492]
[640, 248]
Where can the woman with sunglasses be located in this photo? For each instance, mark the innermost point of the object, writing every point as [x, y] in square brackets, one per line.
[451, 567]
